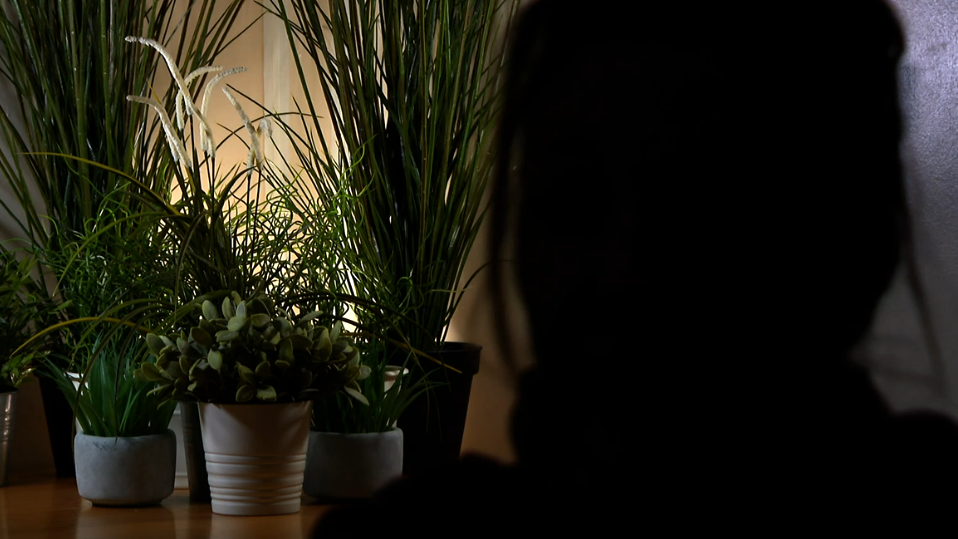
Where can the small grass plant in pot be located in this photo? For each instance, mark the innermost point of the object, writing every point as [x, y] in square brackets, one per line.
[354, 450]
[126, 453]
[219, 235]
[413, 93]
[22, 309]
[254, 370]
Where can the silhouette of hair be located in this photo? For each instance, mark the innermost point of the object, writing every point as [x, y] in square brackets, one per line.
[703, 206]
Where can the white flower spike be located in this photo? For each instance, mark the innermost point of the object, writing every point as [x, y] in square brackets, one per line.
[206, 138]
[188, 107]
[255, 150]
[176, 145]
[181, 98]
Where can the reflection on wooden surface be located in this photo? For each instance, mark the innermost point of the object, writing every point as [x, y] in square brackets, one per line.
[51, 509]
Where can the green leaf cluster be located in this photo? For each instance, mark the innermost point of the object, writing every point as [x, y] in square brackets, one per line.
[413, 92]
[92, 177]
[250, 351]
[107, 399]
[22, 307]
[338, 414]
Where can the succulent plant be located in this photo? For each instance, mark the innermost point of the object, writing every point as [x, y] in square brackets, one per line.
[250, 351]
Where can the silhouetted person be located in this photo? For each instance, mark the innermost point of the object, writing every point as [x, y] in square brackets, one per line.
[705, 205]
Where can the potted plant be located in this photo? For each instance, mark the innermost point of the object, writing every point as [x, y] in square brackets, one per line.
[22, 307]
[412, 91]
[125, 454]
[254, 370]
[71, 72]
[221, 235]
[354, 451]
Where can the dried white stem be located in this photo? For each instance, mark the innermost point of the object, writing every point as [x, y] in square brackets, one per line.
[265, 129]
[189, 108]
[256, 152]
[171, 64]
[181, 98]
[208, 90]
[206, 138]
[176, 145]
[202, 71]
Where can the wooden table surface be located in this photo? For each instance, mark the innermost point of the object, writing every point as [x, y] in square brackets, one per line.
[50, 508]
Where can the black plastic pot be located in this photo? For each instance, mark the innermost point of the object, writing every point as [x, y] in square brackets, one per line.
[434, 423]
[195, 453]
[59, 417]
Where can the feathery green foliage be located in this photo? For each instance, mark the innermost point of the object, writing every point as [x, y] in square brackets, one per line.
[89, 174]
[22, 309]
[72, 71]
[412, 90]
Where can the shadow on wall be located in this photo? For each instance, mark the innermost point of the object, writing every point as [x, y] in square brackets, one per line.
[909, 375]
[493, 388]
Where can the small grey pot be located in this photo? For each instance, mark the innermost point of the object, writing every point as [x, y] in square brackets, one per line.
[351, 466]
[139, 470]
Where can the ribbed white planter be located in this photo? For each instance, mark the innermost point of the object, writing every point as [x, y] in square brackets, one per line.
[255, 456]
[137, 470]
[352, 466]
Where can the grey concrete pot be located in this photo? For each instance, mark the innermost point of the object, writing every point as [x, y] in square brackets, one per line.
[138, 470]
[352, 466]
[8, 405]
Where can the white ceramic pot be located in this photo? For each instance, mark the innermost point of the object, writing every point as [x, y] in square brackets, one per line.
[136, 470]
[352, 466]
[392, 374]
[176, 425]
[255, 456]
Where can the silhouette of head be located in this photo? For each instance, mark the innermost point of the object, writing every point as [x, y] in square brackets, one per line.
[705, 204]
